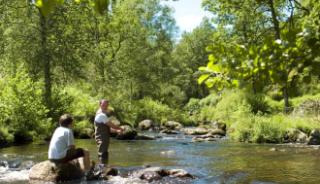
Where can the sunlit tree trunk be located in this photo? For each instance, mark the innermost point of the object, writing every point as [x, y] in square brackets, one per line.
[277, 32]
[45, 59]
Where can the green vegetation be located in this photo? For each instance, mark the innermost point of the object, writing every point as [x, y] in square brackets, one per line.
[260, 60]
[247, 123]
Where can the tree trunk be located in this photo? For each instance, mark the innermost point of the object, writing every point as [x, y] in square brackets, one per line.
[275, 20]
[286, 100]
[277, 31]
[45, 58]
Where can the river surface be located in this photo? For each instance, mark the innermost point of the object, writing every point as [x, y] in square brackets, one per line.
[211, 162]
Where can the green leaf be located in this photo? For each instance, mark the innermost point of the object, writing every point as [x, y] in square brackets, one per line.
[47, 6]
[214, 67]
[100, 5]
[251, 51]
[292, 74]
[212, 58]
[202, 78]
[203, 68]
[210, 82]
[235, 83]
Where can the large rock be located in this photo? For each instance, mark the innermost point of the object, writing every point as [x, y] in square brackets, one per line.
[217, 132]
[157, 173]
[172, 125]
[144, 137]
[98, 173]
[308, 108]
[218, 125]
[128, 134]
[195, 131]
[314, 138]
[146, 125]
[295, 135]
[168, 131]
[115, 121]
[47, 171]
[206, 137]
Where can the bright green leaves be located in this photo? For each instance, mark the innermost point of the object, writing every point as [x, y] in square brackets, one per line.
[100, 5]
[203, 78]
[47, 6]
[214, 75]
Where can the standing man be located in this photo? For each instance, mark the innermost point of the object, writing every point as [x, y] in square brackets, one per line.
[102, 131]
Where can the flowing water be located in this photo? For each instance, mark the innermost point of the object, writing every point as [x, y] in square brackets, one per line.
[210, 162]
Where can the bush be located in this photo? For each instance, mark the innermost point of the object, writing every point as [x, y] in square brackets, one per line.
[258, 103]
[61, 103]
[193, 106]
[83, 129]
[5, 137]
[269, 129]
[224, 110]
[275, 106]
[83, 105]
[172, 95]
[23, 113]
[160, 113]
[210, 100]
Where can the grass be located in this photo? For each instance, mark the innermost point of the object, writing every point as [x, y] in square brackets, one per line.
[244, 125]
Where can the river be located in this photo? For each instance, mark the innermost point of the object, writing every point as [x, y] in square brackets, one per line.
[211, 162]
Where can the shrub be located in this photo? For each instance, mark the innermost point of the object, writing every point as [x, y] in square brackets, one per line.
[270, 129]
[172, 95]
[5, 137]
[193, 106]
[231, 102]
[23, 113]
[160, 113]
[258, 103]
[83, 129]
[83, 104]
[61, 103]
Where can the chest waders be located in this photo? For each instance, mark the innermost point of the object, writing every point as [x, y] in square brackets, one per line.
[102, 137]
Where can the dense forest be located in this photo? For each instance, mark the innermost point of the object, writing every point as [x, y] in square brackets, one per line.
[254, 65]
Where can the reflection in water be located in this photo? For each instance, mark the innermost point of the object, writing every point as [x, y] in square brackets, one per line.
[214, 162]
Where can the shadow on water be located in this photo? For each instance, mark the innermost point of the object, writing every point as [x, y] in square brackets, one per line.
[210, 162]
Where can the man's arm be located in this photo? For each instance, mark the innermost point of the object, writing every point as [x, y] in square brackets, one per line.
[71, 140]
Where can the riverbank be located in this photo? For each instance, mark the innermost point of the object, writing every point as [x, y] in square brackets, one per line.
[248, 118]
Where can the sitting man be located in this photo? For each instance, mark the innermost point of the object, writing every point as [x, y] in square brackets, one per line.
[62, 148]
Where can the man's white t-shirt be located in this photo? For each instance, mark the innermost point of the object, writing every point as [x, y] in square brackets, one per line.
[61, 140]
[101, 118]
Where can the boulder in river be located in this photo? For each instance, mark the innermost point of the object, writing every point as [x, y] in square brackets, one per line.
[172, 125]
[48, 171]
[98, 173]
[295, 135]
[146, 125]
[157, 173]
[168, 131]
[195, 131]
[207, 137]
[314, 138]
[217, 132]
[218, 125]
[144, 137]
[128, 134]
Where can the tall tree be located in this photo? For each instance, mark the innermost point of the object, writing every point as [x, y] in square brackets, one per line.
[275, 58]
